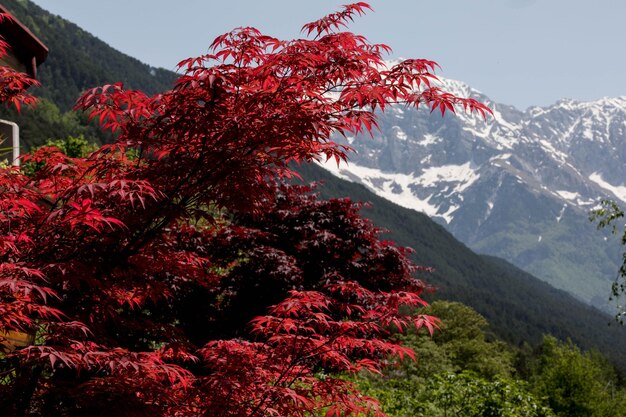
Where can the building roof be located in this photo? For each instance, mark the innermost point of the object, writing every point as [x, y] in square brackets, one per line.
[25, 45]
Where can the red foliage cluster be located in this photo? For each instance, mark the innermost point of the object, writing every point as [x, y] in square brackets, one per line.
[13, 84]
[167, 274]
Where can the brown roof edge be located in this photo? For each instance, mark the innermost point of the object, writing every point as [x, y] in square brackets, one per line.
[27, 38]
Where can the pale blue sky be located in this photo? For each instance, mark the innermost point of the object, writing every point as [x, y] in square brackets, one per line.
[519, 52]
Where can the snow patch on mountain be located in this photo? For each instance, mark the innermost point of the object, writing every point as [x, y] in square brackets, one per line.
[400, 134]
[568, 195]
[392, 187]
[618, 191]
[463, 175]
[400, 188]
[429, 139]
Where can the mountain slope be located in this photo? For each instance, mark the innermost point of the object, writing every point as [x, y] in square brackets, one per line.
[519, 185]
[520, 307]
[78, 60]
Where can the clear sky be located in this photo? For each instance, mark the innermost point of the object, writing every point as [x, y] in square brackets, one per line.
[519, 52]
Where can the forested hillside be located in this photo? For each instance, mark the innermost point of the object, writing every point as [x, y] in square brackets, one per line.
[77, 61]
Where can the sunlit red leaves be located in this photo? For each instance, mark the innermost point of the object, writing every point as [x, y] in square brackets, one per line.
[24, 295]
[12, 88]
[336, 21]
[114, 106]
[91, 357]
[257, 103]
[84, 214]
[237, 392]
[13, 84]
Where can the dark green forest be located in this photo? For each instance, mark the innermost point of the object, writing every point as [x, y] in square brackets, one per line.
[510, 344]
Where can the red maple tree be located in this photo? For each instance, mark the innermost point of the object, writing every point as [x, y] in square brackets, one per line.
[169, 273]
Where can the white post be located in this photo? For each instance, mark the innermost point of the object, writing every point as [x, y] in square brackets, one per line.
[15, 138]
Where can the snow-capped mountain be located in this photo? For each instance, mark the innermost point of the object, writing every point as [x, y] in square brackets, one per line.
[519, 185]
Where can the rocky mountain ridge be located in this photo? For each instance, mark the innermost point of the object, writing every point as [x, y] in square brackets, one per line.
[518, 185]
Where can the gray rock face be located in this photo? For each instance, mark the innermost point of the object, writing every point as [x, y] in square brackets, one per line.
[519, 185]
